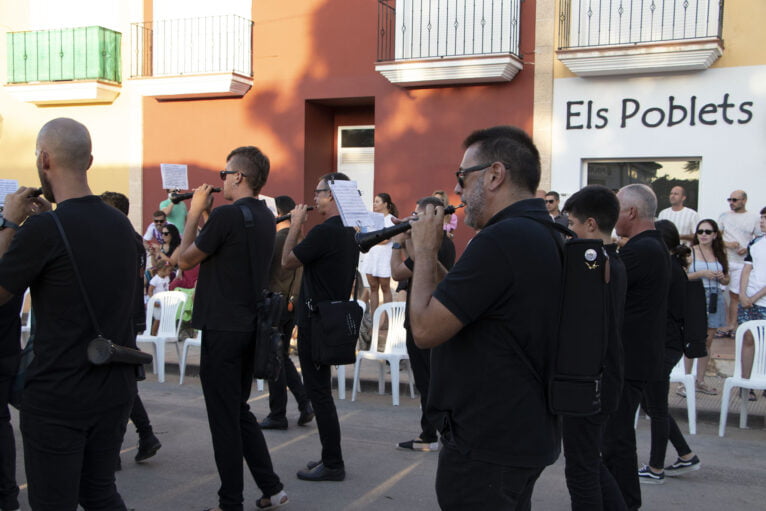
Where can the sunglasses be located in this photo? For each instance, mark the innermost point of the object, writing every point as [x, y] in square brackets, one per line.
[159, 221]
[550, 201]
[223, 173]
[705, 231]
[731, 199]
[460, 174]
[166, 234]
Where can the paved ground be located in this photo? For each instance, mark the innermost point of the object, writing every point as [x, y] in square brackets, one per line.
[182, 476]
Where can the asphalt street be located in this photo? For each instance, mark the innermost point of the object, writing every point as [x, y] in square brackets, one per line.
[182, 475]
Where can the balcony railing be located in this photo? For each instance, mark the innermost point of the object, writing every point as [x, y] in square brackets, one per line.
[423, 29]
[83, 53]
[596, 23]
[192, 46]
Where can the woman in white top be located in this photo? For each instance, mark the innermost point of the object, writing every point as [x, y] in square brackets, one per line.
[377, 263]
[710, 265]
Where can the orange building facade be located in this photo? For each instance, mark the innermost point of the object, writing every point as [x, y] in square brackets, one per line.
[321, 66]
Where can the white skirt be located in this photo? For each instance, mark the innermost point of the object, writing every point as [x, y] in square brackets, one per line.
[377, 262]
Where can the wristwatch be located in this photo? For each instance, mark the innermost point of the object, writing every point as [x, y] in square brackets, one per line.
[4, 222]
[397, 246]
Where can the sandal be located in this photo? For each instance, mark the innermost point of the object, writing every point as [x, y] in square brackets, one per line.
[724, 333]
[273, 502]
[704, 389]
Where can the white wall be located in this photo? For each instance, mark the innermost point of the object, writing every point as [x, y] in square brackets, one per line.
[733, 152]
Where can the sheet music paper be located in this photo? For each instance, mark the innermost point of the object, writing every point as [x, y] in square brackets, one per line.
[174, 176]
[7, 186]
[352, 210]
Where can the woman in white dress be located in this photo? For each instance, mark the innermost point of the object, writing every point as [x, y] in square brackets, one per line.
[377, 263]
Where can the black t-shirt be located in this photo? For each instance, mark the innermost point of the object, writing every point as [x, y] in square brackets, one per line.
[10, 326]
[482, 392]
[614, 361]
[674, 333]
[329, 256]
[446, 256]
[226, 295]
[647, 264]
[60, 381]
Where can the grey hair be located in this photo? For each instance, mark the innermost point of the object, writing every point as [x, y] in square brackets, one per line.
[640, 197]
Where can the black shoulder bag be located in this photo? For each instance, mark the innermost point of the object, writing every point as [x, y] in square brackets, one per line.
[101, 350]
[335, 329]
[268, 336]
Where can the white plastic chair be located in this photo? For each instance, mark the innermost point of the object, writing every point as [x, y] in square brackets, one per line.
[678, 375]
[757, 380]
[169, 303]
[26, 327]
[394, 352]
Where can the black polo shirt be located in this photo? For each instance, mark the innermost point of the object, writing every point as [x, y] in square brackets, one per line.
[329, 256]
[60, 381]
[482, 392]
[647, 264]
[226, 294]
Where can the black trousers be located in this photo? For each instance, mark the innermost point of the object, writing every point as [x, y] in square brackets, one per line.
[591, 485]
[663, 425]
[463, 483]
[9, 490]
[226, 373]
[620, 455]
[140, 418]
[420, 360]
[71, 461]
[288, 378]
[318, 385]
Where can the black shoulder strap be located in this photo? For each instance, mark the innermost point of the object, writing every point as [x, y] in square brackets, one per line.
[77, 273]
[249, 226]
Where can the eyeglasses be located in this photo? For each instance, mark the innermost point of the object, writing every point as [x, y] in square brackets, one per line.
[705, 231]
[159, 221]
[550, 201]
[732, 199]
[223, 173]
[460, 174]
[320, 190]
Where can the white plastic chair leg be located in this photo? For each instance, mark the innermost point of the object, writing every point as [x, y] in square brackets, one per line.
[691, 411]
[743, 410]
[259, 385]
[355, 387]
[725, 396]
[160, 356]
[382, 377]
[341, 381]
[395, 381]
[412, 379]
[182, 364]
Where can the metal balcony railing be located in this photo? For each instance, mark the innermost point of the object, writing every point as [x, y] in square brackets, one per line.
[421, 29]
[82, 53]
[211, 44]
[590, 23]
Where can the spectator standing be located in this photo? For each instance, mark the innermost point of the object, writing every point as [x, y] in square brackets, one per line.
[647, 266]
[489, 324]
[176, 213]
[377, 263]
[685, 219]
[709, 264]
[738, 228]
[552, 204]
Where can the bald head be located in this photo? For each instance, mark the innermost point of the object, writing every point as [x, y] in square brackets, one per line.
[640, 197]
[67, 143]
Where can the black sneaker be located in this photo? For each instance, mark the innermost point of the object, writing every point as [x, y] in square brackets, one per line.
[307, 416]
[419, 445]
[646, 476]
[147, 447]
[682, 467]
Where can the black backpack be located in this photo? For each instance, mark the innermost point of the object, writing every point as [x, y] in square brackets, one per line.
[576, 360]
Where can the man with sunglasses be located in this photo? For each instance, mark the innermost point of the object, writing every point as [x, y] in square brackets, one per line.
[231, 280]
[738, 227]
[153, 232]
[552, 205]
[490, 326]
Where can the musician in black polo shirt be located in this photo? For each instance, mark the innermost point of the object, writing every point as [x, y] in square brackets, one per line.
[224, 309]
[329, 256]
[489, 324]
